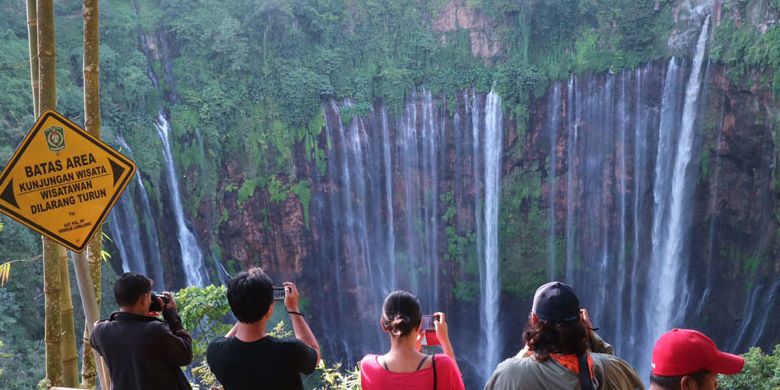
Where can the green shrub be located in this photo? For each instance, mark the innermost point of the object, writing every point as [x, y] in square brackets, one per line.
[761, 372]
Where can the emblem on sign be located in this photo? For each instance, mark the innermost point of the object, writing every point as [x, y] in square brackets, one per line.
[55, 138]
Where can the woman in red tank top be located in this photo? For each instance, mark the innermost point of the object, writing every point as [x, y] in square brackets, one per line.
[404, 366]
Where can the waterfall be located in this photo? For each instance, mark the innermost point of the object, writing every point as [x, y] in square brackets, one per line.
[192, 257]
[125, 228]
[379, 216]
[430, 194]
[491, 288]
[388, 176]
[668, 261]
[621, 172]
[553, 122]
[639, 187]
[152, 239]
[134, 231]
[616, 164]
[571, 154]
[752, 325]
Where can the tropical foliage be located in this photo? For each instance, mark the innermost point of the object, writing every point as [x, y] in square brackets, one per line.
[761, 372]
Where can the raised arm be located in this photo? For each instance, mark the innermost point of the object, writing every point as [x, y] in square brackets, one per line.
[174, 342]
[597, 344]
[443, 334]
[300, 327]
[232, 331]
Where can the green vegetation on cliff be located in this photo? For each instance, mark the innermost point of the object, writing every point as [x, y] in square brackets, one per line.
[749, 53]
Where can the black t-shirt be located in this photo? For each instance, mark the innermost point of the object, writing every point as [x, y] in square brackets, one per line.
[268, 363]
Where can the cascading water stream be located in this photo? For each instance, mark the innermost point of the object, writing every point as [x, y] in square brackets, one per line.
[668, 261]
[553, 122]
[388, 182]
[571, 174]
[134, 231]
[191, 255]
[491, 288]
[639, 167]
[152, 237]
[125, 228]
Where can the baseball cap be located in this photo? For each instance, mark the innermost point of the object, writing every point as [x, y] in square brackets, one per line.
[556, 302]
[681, 352]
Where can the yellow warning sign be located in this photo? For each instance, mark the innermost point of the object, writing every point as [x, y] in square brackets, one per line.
[62, 182]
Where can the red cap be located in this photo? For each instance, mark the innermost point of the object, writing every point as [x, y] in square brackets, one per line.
[683, 351]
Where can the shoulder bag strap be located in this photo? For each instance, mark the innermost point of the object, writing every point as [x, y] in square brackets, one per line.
[435, 377]
[586, 382]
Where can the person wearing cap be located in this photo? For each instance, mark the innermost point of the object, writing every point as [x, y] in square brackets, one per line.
[685, 359]
[562, 350]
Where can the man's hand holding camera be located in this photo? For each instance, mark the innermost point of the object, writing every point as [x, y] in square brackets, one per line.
[291, 296]
[298, 320]
[161, 302]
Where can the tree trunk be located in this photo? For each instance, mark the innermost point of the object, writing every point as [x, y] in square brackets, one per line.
[32, 38]
[52, 253]
[88, 263]
[70, 355]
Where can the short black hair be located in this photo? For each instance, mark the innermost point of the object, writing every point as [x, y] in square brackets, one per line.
[250, 295]
[130, 287]
[673, 382]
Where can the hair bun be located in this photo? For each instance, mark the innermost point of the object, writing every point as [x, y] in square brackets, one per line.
[401, 313]
[400, 325]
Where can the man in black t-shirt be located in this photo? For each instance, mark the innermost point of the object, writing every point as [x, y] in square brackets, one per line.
[247, 357]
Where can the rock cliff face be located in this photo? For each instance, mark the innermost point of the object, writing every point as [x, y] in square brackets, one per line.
[259, 232]
[457, 15]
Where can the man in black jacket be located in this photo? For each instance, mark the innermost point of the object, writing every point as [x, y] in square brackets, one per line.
[140, 350]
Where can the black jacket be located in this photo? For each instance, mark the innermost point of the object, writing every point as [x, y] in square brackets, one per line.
[143, 352]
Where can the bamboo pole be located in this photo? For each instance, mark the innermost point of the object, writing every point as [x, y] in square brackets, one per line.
[52, 328]
[88, 264]
[70, 355]
[47, 98]
[32, 38]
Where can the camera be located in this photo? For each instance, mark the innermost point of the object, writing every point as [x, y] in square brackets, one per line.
[155, 306]
[279, 293]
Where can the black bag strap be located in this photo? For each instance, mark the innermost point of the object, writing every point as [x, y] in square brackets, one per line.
[586, 383]
[435, 378]
[419, 366]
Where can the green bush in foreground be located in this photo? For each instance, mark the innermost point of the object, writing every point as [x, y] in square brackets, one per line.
[761, 372]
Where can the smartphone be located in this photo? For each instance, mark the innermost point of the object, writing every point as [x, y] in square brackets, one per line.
[279, 293]
[428, 322]
[429, 330]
